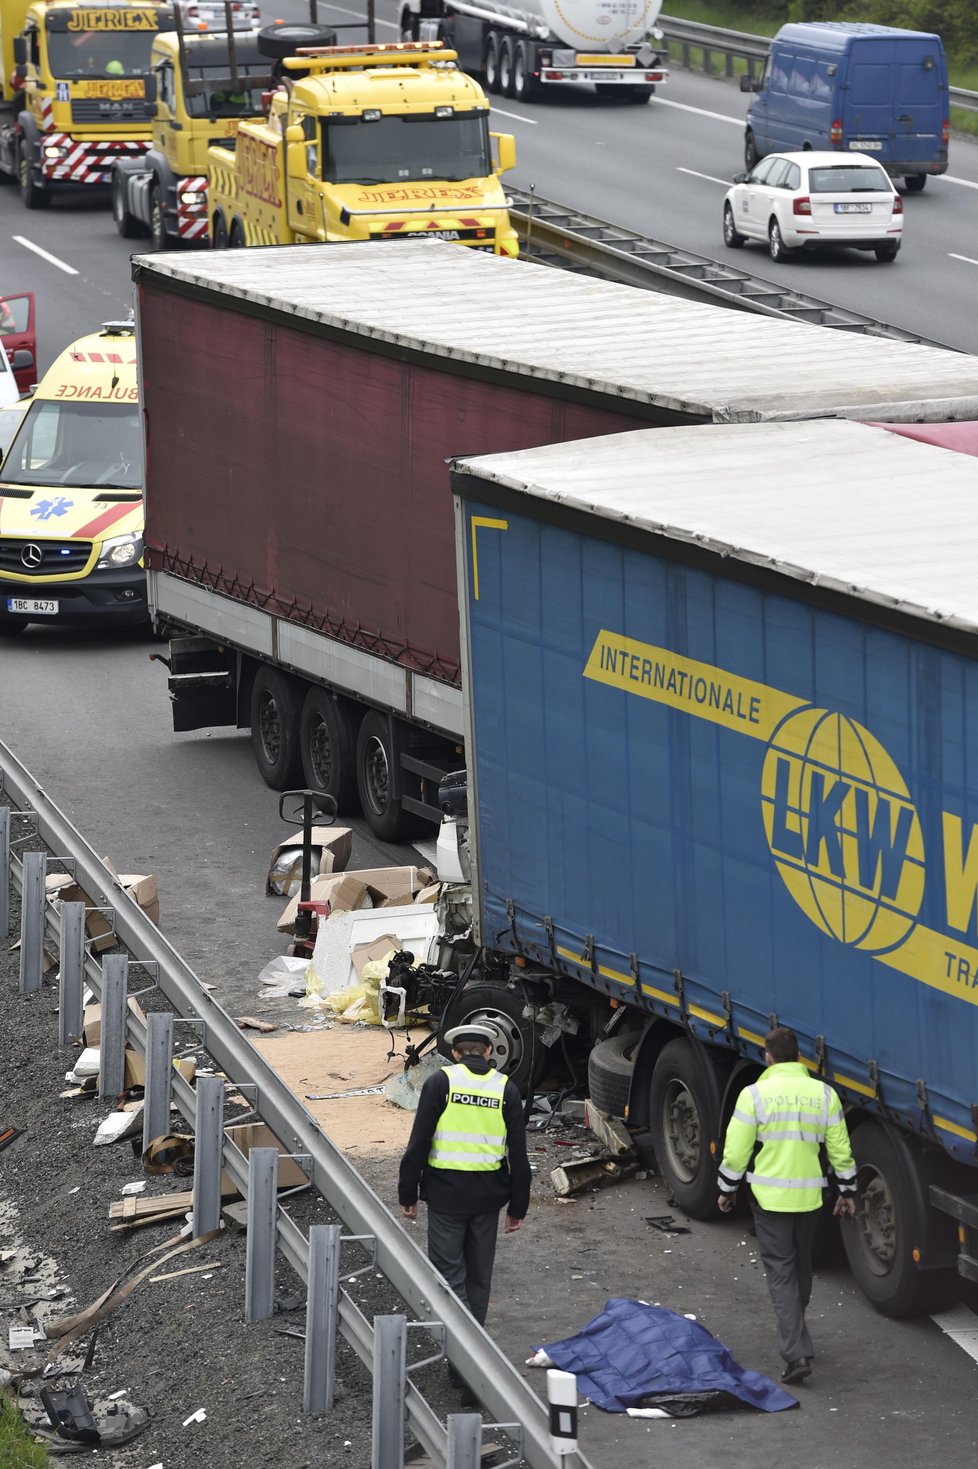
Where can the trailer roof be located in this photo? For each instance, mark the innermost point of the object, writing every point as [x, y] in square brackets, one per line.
[845, 506]
[530, 320]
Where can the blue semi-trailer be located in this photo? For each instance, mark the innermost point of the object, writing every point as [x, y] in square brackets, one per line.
[721, 705]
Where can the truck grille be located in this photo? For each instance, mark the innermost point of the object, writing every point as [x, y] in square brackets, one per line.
[43, 558]
[97, 109]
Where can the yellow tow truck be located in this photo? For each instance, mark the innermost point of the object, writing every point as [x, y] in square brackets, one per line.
[365, 142]
[73, 97]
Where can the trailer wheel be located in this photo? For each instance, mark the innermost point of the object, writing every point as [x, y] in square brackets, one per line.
[609, 1073]
[506, 67]
[524, 82]
[276, 706]
[376, 763]
[888, 1226]
[490, 65]
[125, 223]
[328, 740]
[236, 239]
[516, 1051]
[683, 1118]
[32, 195]
[157, 221]
[219, 231]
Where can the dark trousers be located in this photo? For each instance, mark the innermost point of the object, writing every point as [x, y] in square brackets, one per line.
[785, 1242]
[463, 1248]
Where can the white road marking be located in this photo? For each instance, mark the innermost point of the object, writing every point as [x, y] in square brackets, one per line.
[961, 1325]
[947, 178]
[516, 116]
[708, 176]
[51, 259]
[966, 258]
[359, 15]
[737, 122]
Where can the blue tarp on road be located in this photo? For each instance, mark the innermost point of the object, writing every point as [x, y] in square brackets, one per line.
[632, 1352]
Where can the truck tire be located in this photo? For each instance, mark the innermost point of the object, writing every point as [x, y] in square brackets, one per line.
[609, 1073]
[880, 1240]
[376, 762]
[126, 223]
[32, 195]
[915, 183]
[236, 239]
[683, 1118]
[276, 710]
[219, 231]
[525, 87]
[328, 740]
[505, 87]
[516, 1051]
[490, 66]
[161, 237]
[278, 42]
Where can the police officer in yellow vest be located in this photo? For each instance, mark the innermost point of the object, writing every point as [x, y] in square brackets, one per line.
[466, 1157]
[790, 1115]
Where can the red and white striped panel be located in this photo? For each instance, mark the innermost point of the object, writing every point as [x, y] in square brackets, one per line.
[192, 218]
[88, 160]
[47, 112]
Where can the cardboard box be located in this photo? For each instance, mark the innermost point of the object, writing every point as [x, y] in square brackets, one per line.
[362, 954]
[135, 1074]
[139, 886]
[393, 886]
[335, 844]
[344, 893]
[92, 1024]
[256, 1135]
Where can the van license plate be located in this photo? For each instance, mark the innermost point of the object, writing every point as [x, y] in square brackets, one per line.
[34, 607]
[853, 208]
[866, 145]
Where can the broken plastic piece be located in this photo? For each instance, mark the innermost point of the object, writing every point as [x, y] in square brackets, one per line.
[71, 1414]
[198, 1417]
[666, 1224]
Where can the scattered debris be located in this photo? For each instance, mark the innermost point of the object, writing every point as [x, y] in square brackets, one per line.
[357, 1091]
[21, 1337]
[119, 1125]
[133, 1188]
[666, 1224]
[9, 1135]
[587, 1173]
[199, 1417]
[70, 1412]
[252, 1022]
[190, 1270]
[611, 1133]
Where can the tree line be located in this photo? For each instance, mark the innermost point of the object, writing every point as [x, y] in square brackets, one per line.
[955, 21]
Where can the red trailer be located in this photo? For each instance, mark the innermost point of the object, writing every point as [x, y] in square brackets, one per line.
[300, 407]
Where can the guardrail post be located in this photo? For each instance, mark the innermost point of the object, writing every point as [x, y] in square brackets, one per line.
[322, 1313]
[4, 872]
[390, 1343]
[208, 1154]
[464, 1440]
[159, 1076]
[260, 1238]
[71, 1012]
[32, 922]
[112, 1041]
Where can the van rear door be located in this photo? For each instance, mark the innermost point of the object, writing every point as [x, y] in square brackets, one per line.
[895, 102]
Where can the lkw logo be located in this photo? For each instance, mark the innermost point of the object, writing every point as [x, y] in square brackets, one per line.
[843, 830]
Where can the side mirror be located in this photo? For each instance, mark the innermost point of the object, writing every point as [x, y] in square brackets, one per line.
[150, 85]
[20, 50]
[22, 358]
[294, 133]
[748, 84]
[505, 152]
[740, 178]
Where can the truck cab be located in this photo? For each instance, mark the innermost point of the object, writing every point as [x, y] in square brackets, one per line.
[78, 96]
[373, 142]
[202, 86]
[71, 492]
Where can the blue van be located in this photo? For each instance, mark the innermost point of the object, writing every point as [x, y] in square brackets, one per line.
[865, 88]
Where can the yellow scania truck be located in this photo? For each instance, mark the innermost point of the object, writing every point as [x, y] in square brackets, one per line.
[73, 90]
[366, 142]
[71, 492]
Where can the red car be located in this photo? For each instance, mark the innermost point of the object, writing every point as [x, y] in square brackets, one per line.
[18, 335]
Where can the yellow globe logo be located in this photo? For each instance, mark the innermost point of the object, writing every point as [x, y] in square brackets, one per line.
[842, 829]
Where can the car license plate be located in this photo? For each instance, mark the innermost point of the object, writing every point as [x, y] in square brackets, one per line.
[853, 208]
[866, 145]
[34, 606]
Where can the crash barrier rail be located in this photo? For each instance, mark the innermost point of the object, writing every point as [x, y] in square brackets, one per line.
[555, 234]
[687, 37]
[434, 1308]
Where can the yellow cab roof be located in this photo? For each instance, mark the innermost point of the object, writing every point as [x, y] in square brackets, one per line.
[87, 368]
[402, 88]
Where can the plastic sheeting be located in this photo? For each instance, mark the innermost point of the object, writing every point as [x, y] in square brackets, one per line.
[632, 1355]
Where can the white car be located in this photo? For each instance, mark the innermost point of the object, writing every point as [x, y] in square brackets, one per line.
[245, 14]
[812, 201]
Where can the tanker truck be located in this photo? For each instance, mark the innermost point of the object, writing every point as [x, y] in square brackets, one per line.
[521, 49]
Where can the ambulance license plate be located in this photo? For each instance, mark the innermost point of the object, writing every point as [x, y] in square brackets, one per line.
[33, 606]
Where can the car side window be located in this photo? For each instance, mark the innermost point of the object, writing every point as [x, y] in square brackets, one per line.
[164, 86]
[792, 179]
[759, 174]
[776, 178]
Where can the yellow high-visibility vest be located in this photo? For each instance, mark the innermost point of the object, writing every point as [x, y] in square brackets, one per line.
[471, 1132]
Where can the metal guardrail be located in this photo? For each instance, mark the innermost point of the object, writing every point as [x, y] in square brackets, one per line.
[686, 36]
[555, 234]
[428, 1297]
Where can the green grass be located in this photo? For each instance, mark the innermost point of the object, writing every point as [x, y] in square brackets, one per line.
[16, 1449]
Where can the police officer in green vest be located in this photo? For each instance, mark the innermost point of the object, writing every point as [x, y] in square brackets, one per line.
[790, 1116]
[466, 1158]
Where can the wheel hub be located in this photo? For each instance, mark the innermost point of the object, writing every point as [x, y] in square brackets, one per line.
[681, 1130]
[507, 1042]
[876, 1222]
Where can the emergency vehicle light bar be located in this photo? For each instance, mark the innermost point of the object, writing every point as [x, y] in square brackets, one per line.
[391, 52]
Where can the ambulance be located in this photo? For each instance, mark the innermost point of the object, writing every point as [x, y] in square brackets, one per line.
[71, 493]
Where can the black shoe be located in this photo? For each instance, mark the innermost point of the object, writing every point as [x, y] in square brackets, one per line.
[798, 1370]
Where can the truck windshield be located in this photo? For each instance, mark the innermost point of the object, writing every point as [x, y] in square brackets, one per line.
[99, 53]
[400, 149]
[84, 445]
[224, 101]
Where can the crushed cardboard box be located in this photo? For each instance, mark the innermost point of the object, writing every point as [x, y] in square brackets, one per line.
[92, 1020]
[334, 843]
[141, 887]
[368, 887]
